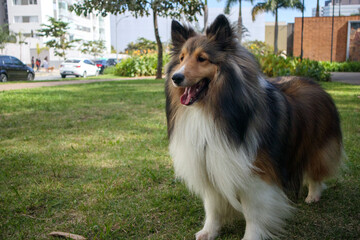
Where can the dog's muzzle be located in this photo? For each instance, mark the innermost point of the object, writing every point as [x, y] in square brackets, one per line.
[178, 78]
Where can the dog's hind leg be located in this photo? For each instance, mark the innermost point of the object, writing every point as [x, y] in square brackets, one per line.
[216, 213]
[322, 165]
[315, 190]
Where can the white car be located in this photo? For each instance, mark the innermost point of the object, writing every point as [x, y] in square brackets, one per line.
[78, 67]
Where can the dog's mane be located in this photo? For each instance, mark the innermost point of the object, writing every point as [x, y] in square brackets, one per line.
[235, 91]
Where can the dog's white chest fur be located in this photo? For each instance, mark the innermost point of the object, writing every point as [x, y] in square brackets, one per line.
[222, 173]
[205, 159]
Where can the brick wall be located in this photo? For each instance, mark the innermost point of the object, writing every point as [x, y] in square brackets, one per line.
[317, 37]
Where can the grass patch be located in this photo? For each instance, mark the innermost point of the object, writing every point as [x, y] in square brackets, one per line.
[92, 160]
[102, 76]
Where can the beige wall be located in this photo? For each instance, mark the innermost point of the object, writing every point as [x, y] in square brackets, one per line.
[282, 35]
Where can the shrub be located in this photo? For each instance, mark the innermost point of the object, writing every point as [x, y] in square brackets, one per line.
[275, 66]
[110, 70]
[143, 65]
[259, 48]
[341, 66]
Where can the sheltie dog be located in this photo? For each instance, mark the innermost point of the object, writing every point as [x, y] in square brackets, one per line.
[240, 142]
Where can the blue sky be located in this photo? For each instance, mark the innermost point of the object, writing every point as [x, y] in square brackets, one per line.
[284, 15]
[142, 27]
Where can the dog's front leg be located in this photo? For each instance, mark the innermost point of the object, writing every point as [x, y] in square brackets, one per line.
[265, 208]
[215, 208]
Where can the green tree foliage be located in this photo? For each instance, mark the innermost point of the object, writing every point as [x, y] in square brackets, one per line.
[113, 50]
[228, 5]
[273, 6]
[57, 30]
[6, 37]
[40, 49]
[141, 44]
[139, 8]
[94, 48]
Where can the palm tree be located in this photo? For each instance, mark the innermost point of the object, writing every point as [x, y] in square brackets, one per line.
[273, 6]
[206, 15]
[228, 4]
[317, 9]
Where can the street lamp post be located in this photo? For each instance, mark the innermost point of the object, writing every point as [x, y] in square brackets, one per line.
[116, 31]
[332, 31]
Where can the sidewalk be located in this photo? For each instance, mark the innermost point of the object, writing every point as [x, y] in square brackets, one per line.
[43, 75]
[43, 72]
[346, 77]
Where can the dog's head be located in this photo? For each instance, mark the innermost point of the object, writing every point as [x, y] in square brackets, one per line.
[196, 58]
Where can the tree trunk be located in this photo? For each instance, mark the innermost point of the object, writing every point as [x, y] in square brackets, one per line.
[206, 16]
[276, 32]
[159, 46]
[317, 9]
[20, 51]
[240, 23]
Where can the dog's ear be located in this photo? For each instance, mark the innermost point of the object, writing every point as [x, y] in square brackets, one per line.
[179, 34]
[220, 30]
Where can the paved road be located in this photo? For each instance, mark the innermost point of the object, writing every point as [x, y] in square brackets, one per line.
[346, 77]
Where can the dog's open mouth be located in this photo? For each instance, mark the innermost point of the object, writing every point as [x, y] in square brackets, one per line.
[194, 93]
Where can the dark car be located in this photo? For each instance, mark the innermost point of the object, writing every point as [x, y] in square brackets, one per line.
[12, 68]
[104, 63]
[112, 61]
[101, 64]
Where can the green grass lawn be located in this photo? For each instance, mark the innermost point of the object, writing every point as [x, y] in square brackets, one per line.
[92, 160]
[102, 76]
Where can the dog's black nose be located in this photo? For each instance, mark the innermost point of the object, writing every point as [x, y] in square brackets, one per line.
[178, 78]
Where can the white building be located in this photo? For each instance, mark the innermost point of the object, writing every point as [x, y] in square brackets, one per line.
[26, 17]
[125, 28]
[339, 7]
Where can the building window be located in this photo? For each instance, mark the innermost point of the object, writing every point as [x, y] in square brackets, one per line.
[26, 19]
[24, 2]
[62, 5]
[82, 28]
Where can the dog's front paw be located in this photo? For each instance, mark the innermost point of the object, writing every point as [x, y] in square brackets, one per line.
[205, 235]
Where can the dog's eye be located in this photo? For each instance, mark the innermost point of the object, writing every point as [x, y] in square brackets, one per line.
[181, 58]
[201, 59]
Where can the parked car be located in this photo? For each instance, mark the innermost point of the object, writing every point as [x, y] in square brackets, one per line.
[12, 68]
[78, 67]
[104, 63]
[101, 64]
[112, 61]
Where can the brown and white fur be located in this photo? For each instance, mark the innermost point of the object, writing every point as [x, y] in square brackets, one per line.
[240, 142]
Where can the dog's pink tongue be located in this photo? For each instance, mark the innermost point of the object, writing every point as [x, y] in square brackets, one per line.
[188, 95]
